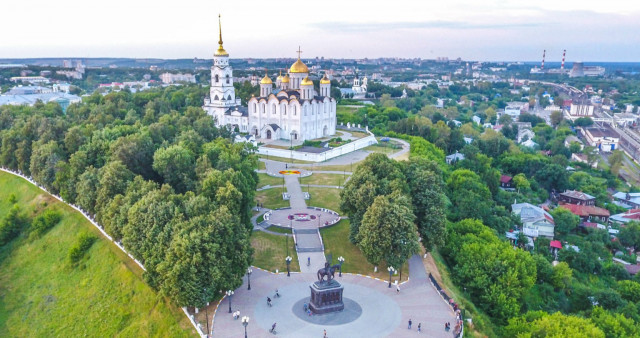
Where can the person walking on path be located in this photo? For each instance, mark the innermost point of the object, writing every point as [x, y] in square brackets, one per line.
[325, 334]
[409, 324]
[397, 288]
[419, 327]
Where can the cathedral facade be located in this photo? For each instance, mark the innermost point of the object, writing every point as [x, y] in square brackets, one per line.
[292, 110]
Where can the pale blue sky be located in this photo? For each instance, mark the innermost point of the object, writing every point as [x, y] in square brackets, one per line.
[476, 30]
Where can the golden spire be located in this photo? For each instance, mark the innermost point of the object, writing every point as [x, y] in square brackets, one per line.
[220, 51]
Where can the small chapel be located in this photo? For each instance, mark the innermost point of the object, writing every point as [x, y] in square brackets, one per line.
[293, 109]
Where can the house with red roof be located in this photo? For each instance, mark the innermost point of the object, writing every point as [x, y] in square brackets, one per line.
[576, 197]
[506, 182]
[555, 246]
[626, 217]
[588, 213]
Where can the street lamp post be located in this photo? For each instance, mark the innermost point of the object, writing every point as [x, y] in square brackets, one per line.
[230, 293]
[341, 260]
[288, 259]
[249, 271]
[391, 271]
[206, 310]
[245, 322]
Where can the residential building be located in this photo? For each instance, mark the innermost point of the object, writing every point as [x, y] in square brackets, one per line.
[536, 222]
[603, 139]
[506, 182]
[588, 213]
[529, 144]
[572, 139]
[453, 158]
[30, 79]
[626, 217]
[576, 197]
[629, 200]
[582, 158]
[169, 78]
[514, 109]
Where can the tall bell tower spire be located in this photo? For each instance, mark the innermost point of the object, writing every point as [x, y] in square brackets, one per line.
[220, 51]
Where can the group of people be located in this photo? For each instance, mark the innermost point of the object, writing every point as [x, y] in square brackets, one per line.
[447, 326]
[236, 314]
[276, 295]
[419, 325]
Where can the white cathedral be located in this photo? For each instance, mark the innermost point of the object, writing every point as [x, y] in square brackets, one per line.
[293, 110]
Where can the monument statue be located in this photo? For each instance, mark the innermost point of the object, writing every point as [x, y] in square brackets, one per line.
[328, 271]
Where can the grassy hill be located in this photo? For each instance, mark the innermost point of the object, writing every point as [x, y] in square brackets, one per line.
[42, 294]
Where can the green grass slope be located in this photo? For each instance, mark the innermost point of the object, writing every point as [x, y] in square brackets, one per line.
[42, 294]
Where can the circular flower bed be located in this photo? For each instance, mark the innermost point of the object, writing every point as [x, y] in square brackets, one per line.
[289, 172]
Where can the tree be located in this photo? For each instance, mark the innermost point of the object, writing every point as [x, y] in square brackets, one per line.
[561, 276]
[427, 197]
[469, 196]
[388, 232]
[556, 118]
[541, 324]
[614, 325]
[176, 165]
[615, 161]
[630, 235]
[521, 183]
[564, 220]
[11, 225]
[44, 160]
[629, 290]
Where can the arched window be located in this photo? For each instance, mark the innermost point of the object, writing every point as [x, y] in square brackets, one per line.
[216, 98]
[255, 108]
[229, 97]
[273, 109]
[217, 78]
[293, 108]
[284, 109]
[227, 78]
[262, 108]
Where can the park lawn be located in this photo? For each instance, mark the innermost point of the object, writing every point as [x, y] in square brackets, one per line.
[262, 165]
[328, 198]
[265, 180]
[336, 167]
[270, 252]
[336, 243]
[323, 179]
[271, 198]
[41, 294]
[403, 157]
[279, 230]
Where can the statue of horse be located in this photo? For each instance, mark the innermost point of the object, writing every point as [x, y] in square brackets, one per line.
[327, 271]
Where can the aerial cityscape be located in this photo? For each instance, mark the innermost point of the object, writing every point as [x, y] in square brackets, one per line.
[454, 169]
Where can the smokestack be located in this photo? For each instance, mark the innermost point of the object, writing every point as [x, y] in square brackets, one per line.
[544, 53]
[564, 52]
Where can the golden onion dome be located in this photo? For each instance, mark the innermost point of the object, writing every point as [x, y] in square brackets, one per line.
[325, 80]
[221, 52]
[306, 82]
[285, 79]
[266, 80]
[298, 67]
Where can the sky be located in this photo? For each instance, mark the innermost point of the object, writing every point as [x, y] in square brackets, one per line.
[485, 30]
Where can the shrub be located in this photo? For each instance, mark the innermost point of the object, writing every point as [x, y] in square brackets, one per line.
[45, 221]
[12, 199]
[11, 225]
[83, 243]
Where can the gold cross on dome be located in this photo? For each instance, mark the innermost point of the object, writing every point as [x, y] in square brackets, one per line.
[299, 52]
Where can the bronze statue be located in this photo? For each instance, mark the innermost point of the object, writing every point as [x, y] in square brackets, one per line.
[327, 271]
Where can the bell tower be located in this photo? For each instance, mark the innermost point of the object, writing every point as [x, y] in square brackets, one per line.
[222, 93]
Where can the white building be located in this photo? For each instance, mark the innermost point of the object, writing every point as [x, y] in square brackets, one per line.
[514, 109]
[535, 221]
[292, 110]
[579, 110]
[603, 139]
[169, 78]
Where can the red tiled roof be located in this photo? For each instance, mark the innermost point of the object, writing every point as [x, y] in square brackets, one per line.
[590, 225]
[555, 244]
[632, 269]
[577, 194]
[585, 210]
[505, 179]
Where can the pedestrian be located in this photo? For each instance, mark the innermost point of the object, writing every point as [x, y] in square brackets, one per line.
[325, 334]
[397, 288]
[446, 328]
[409, 324]
[419, 327]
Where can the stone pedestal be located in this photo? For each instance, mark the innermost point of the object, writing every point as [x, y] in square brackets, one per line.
[326, 297]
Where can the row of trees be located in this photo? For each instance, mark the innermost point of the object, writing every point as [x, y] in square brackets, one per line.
[156, 172]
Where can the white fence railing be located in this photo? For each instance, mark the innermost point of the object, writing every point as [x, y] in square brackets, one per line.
[320, 157]
[101, 229]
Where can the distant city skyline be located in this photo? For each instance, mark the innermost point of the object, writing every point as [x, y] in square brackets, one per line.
[498, 30]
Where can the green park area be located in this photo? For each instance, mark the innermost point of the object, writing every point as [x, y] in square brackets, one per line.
[270, 251]
[336, 242]
[43, 294]
[271, 198]
[265, 180]
[328, 198]
[323, 179]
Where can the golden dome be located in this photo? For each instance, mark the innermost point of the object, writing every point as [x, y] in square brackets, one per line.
[266, 80]
[298, 67]
[279, 77]
[285, 79]
[306, 82]
[325, 80]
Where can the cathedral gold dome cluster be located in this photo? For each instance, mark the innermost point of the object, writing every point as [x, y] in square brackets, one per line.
[294, 109]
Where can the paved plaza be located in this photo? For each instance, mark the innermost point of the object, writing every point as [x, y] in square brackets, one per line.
[372, 309]
[379, 311]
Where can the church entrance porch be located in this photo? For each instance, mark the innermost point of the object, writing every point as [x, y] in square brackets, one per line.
[268, 134]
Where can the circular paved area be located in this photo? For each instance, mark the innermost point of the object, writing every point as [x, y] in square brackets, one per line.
[384, 312]
[302, 218]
